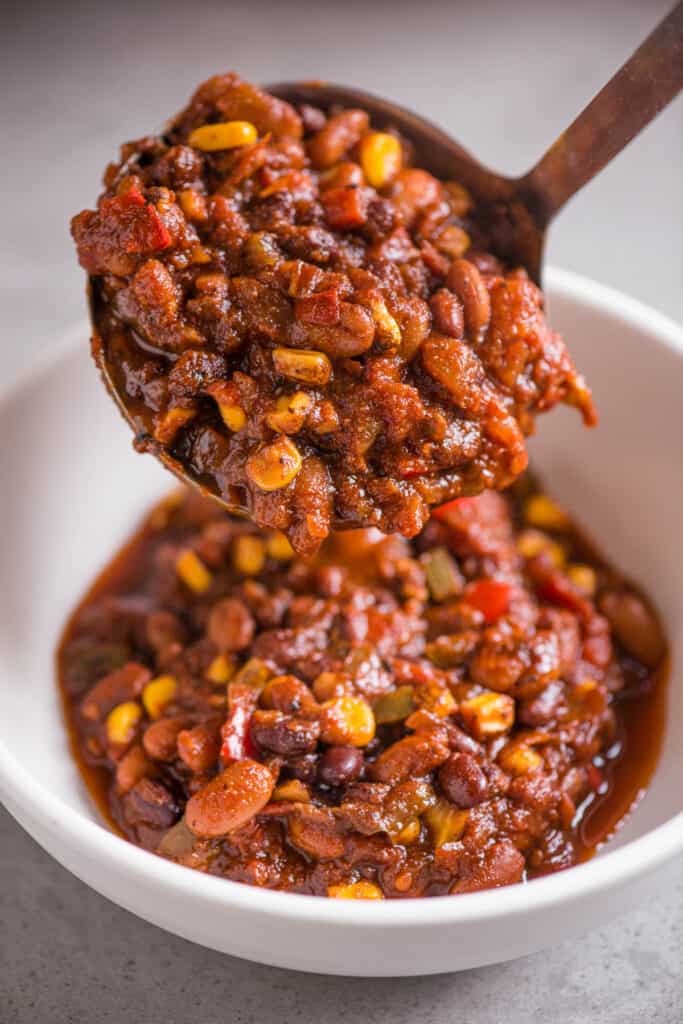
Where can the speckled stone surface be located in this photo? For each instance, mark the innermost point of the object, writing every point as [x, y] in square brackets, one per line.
[505, 78]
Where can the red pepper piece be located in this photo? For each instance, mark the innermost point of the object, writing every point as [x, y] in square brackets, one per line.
[344, 207]
[559, 589]
[319, 308]
[237, 743]
[123, 226]
[490, 597]
[443, 512]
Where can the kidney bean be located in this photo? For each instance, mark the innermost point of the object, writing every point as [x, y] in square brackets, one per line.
[231, 625]
[411, 757]
[340, 765]
[160, 739]
[119, 686]
[463, 781]
[502, 864]
[635, 624]
[134, 766]
[287, 694]
[447, 310]
[340, 133]
[271, 730]
[465, 280]
[230, 800]
[150, 802]
[199, 747]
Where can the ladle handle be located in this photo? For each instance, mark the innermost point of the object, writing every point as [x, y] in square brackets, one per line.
[649, 79]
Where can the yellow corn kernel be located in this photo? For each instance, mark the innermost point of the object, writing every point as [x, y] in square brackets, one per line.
[437, 699]
[347, 720]
[292, 790]
[328, 685]
[409, 833]
[488, 714]
[445, 822]
[546, 514]
[518, 759]
[302, 364]
[388, 331]
[356, 891]
[168, 423]
[275, 465]
[224, 135]
[121, 721]
[157, 694]
[248, 554]
[221, 670]
[380, 158]
[278, 547]
[192, 571]
[254, 673]
[233, 416]
[583, 577]
[289, 414]
[531, 543]
[200, 255]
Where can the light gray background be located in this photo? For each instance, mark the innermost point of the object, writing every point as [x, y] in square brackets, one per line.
[505, 78]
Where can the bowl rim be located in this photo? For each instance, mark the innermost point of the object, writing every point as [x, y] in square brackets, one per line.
[611, 870]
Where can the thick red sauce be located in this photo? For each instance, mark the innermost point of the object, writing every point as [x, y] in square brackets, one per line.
[453, 809]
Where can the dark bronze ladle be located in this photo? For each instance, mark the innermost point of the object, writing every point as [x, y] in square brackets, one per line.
[517, 211]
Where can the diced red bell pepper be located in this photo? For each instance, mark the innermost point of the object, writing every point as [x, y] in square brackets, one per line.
[490, 597]
[442, 513]
[123, 226]
[557, 588]
[237, 743]
[344, 207]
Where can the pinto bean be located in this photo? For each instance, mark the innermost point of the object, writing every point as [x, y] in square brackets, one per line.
[122, 685]
[160, 739]
[134, 766]
[199, 747]
[411, 757]
[635, 625]
[230, 800]
[231, 625]
[284, 734]
[466, 281]
[337, 137]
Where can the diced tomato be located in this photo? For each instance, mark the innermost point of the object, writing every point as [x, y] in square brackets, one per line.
[490, 597]
[237, 743]
[122, 228]
[319, 308]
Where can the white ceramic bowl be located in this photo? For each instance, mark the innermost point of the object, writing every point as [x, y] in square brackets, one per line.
[73, 490]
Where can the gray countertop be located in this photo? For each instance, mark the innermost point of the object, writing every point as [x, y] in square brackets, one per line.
[505, 78]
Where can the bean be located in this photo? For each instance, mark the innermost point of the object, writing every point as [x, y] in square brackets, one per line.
[314, 830]
[635, 625]
[463, 781]
[503, 864]
[122, 685]
[163, 629]
[149, 802]
[161, 738]
[230, 800]
[411, 757]
[338, 136]
[340, 765]
[132, 768]
[465, 280]
[447, 311]
[283, 734]
[231, 625]
[199, 747]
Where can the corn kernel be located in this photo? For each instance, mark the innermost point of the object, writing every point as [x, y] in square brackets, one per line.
[531, 543]
[275, 465]
[192, 571]
[254, 673]
[293, 789]
[329, 685]
[121, 721]
[380, 158]
[221, 670]
[347, 721]
[488, 714]
[200, 255]
[248, 554]
[224, 135]
[278, 547]
[409, 833]
[518, 759]
[445, 822]
[583, 577]
[168, 423]
[233, 416]
[157, 694]
[356, 891]
[543, 512]
[388, 331]
[302, 364]
[289, 414]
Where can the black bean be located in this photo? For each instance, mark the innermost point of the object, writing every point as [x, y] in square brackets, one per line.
[340, 765]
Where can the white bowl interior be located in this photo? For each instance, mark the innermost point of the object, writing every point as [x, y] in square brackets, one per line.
[74, 489]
